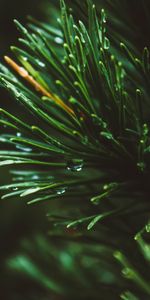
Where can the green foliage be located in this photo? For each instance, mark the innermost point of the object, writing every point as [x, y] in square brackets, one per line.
[83, 146]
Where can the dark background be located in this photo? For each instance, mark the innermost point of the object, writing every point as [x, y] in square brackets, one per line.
[16, 9]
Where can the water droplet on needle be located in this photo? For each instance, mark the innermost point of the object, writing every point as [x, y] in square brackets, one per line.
[75, 165]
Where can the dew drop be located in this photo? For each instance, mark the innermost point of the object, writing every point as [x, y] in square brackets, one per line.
[22, 148]
[15, 189]
[110, 186]
[40, 63]
[105, 187]
[58, 40]
[103, 15]
[145, 129]
[75, 165]
[141, 141]
[106, 43]
[18, 134]
[35, 177]
[23, 72]
[25, 58]
[61, 191]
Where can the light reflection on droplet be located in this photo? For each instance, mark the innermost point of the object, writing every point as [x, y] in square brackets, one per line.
[15, 189]
[18, 134]
[23, 148]
[35, 177]
[40, 63]
[24, 58]
[75, 165]
[61, 191]
[58, 40]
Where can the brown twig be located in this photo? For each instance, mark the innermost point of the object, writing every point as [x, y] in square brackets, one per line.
[24, 73]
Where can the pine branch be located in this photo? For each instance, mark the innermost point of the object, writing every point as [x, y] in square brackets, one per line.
[81, 142]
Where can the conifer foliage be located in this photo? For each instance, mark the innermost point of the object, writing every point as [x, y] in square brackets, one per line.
[79, 142]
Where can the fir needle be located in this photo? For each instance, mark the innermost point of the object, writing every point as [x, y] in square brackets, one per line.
[24, 73]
